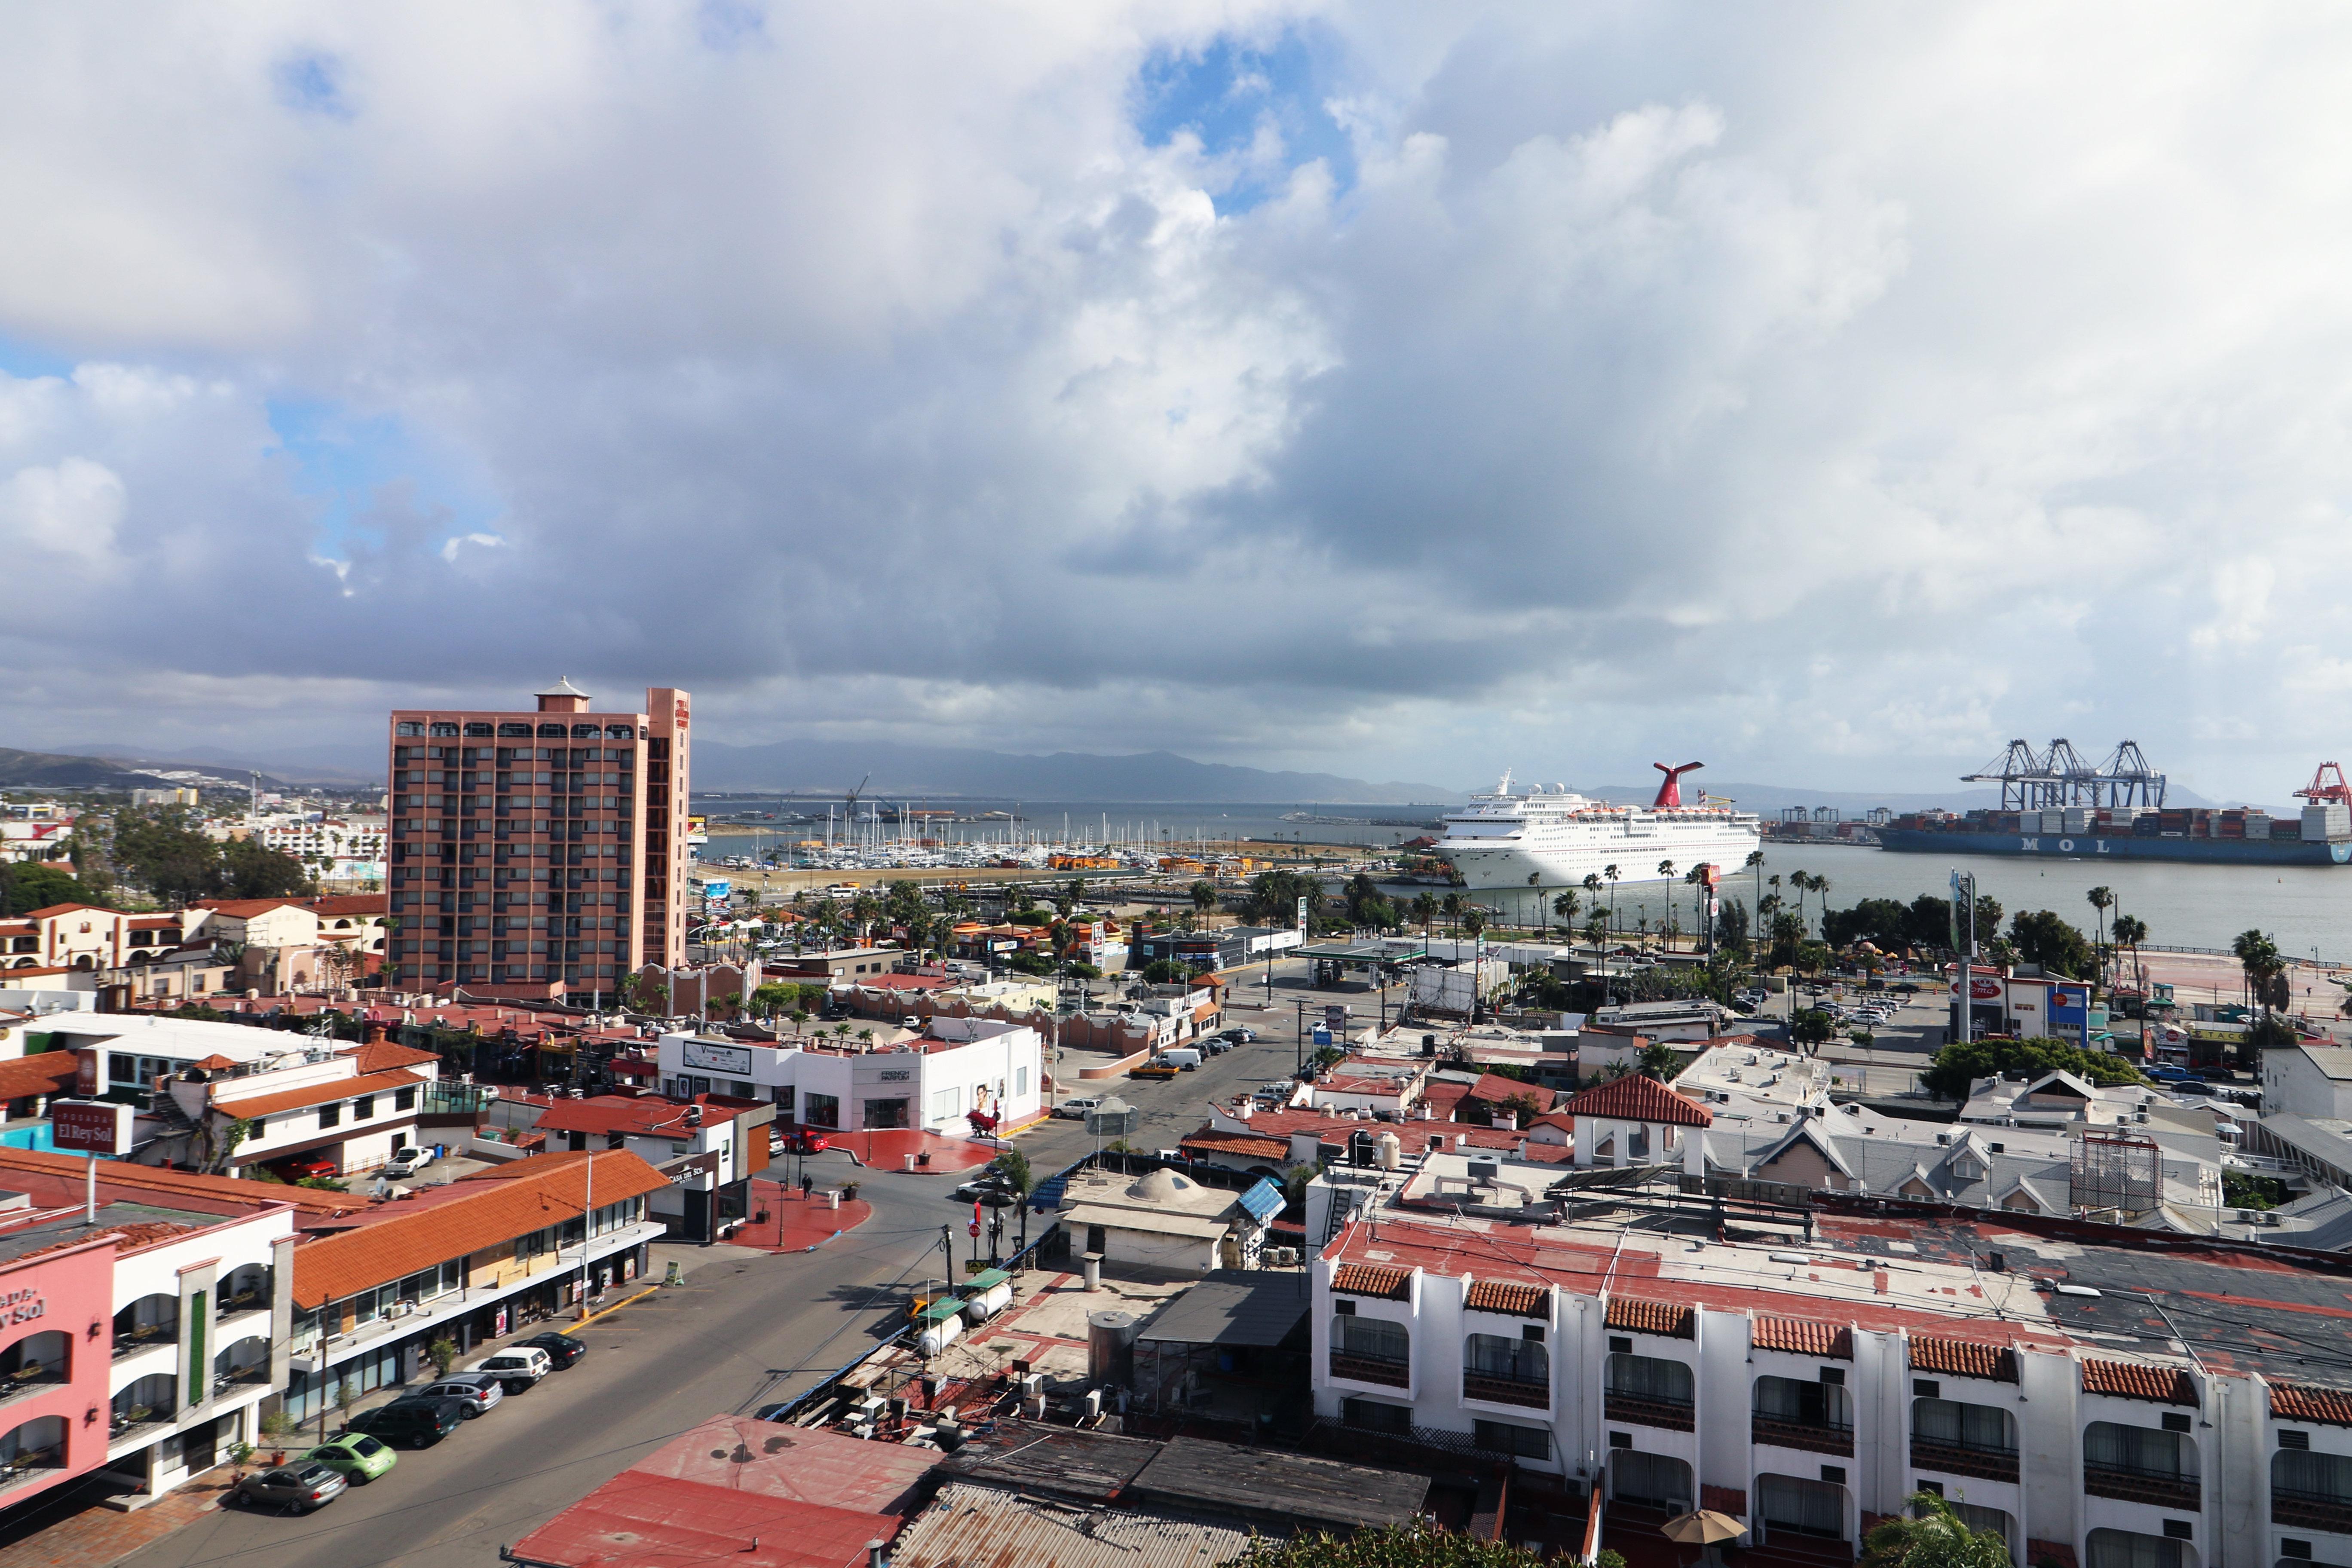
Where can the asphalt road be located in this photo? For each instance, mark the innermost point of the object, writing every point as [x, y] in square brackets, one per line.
[739, 1334]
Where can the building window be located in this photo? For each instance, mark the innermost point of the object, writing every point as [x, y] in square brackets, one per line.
[408, 727]
[1510, 1361]
[1020, 1081]
[1509, 1438]
[2312, 1481]
[1375, 1416]
[1371, 1338]
[362, 1108]
[1801, 1507]
[2128, 1549]
[403, 1100]
[330, 1116]
[2138, 1450]
[1984, 1428]
[822, 1109]
[1786, 1399]
[1658, 1481]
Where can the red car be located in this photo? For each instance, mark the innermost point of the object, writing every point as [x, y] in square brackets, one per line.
[803, 1141]
[303, 1170]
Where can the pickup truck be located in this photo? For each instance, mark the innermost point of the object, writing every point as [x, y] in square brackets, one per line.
[1154, 1069]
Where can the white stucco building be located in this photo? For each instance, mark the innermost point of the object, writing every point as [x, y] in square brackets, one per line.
[932, 1081]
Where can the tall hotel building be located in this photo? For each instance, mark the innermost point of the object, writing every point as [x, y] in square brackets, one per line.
[536, 850]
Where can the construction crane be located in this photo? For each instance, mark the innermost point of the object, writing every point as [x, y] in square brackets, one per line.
[2327, 786]
[2060, 777]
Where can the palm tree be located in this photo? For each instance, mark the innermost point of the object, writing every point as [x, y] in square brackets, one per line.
[1424, 910]
[2100, 899]
[1611, 872]
[1565, 906]
[2259, 957]
[1204, 896]
[1934, 1536]
[2130, 931]
[1755, 862]
[1452, 906]
[1666, 872]
[1696, 878]
[1821, 891]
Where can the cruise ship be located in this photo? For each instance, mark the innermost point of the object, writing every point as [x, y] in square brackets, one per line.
[1555, 838]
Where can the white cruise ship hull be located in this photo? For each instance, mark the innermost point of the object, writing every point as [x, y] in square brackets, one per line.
[1635, 855]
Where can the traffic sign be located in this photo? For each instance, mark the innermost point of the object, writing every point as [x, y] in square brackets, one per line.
[974, 1229]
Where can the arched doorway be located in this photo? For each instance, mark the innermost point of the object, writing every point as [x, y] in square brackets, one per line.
[36, 1359]
[38, 1445]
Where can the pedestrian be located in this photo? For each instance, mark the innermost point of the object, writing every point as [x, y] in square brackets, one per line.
[808, 1184]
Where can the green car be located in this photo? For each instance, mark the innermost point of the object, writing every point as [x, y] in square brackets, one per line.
[359, 1457]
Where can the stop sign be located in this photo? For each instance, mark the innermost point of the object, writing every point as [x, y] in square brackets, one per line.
[973, 1228]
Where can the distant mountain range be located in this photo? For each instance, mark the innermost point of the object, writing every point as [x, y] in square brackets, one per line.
[55, 770]
[835, 766]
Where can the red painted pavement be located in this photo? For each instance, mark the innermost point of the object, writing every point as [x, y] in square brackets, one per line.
[887, 1151]
[794, 1224]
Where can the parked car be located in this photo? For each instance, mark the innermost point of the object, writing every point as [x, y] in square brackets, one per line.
[406, 1162]
[517, 1366]
[2193, 1087]
[1240, 1035]
[1077, 1105]
[356, 1457]
[411, 1421]
[2168, 1073]
[803, 1142]
[479, 1392]
[987, 1194]
[303, 1170]
[298, 1486]
[561, 1348]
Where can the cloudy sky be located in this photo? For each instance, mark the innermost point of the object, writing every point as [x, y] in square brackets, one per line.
[1830, 393]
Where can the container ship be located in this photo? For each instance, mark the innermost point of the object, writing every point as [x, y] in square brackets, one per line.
[1555, 837]
[2320, 833]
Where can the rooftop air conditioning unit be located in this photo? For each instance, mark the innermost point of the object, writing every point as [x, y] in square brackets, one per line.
[1485, 1171]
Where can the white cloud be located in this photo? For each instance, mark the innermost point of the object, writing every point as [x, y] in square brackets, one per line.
[1834, 393]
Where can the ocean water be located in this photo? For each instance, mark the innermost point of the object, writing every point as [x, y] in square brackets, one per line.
[2306, 910]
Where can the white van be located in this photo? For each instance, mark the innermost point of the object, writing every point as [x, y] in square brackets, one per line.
[1182, 1057]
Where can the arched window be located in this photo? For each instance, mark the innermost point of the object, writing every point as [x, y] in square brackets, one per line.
[1979, 1428]
[1512, 1370]
[150, 1321]
[38, 1445]
[2128, 1549]
[148, 1401]
[36, 1360]
[1656, 1480]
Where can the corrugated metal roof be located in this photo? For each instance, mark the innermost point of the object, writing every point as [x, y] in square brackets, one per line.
[634, 1520]
[974, 1526]
[1264, 1201]
[1233, 1307]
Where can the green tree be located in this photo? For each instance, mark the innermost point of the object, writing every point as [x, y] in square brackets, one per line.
[2101, 900]
[1811, 1028]
[1273, 898]
[1953, 1069]
[1883, 922]
[1204, 898]
[2129, 930]
[1934, 1536]
[2259, 957]
[1473, 920]
[1166, 972]
[2050, 940]
[1424, 912]
[1416, 1545]
[1659, 1061]
[1565, 906]
[37, 885]
[1014, 1166]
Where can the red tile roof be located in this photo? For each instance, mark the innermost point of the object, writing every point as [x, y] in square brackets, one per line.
[1495, 1089]
[1241, 1143]
[153, 1178]
[639, 1113]
[1963, 1358]
[383, 1056]
[246, 909]
[1372, 1280]
[1803, 1336]
[310, 1094]
[2138, 1380]
[45, 1072]
[1634, 1097]
[2303, 1402]
[42, 914]
[1670, 1318]
[1508, 1296]
[350, 904]
[474, 1219]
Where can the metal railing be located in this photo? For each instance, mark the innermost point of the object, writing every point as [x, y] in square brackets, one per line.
[1962, 1459]
[1371, 1369]
[2160, 1488]
[1648, 1410]
[1532, 1392]
[2330, 1511]
[1813, 1437]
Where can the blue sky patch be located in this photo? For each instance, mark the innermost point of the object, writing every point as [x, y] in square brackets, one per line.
[1222, 92]
[344, 461]
[25, 361]
[311, 84]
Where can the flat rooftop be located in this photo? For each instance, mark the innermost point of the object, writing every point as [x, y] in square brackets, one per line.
[2181, 1300]
[140, 1224]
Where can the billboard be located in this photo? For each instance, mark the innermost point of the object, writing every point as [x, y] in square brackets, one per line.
[734, 1061]
[90, 1127]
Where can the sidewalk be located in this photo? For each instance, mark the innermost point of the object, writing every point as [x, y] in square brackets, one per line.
[795, 1223]
[887, 1151]
[94, 1537]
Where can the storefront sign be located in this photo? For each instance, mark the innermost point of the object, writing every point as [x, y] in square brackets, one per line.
[21, 1306]
[86, 1072]
[90, 1127]
[735, 1059]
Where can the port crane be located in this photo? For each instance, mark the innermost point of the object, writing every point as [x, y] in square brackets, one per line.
[2327, 786]
[2059, 776]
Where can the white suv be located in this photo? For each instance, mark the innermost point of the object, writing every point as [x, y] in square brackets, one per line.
[518, 1366]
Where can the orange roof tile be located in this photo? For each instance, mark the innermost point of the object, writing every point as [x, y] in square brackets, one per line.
[1371, 1279]
[312, 1094]
[1637, 1099]
[1963, 1358]
[2138, 1380]
[1670, 1318]
[1508, 1296]
[246, 909]
[1241, 1143]
[547, 1193]
[2303, 1401]
[44, 1072]
[153, 1178]
[1803, 1336]
[383, 1056]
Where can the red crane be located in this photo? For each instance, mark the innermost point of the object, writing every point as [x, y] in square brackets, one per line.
[2321, 789]
[1670, 792]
